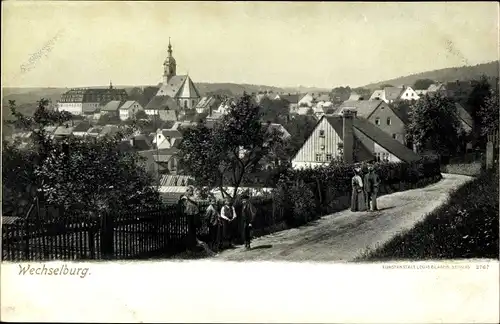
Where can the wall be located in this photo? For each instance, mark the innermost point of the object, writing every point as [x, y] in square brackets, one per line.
[409, 94]
[372, 147]
[397, 126]
[74, 108]
[312, 146]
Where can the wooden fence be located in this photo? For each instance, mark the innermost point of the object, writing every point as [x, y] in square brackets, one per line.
[134, 235]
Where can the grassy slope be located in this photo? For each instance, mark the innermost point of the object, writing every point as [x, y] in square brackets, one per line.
[465, 227]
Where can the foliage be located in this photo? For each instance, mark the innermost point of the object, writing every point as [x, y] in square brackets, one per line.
[465, 227]
[340, 94]
[310, 112]
[141, 114]
[274, 110]
[88, 175]
[108, 119]
[422, 84]
[488, 114]
[433, 123]
[201, 117]
[232, 149]
[299, 127]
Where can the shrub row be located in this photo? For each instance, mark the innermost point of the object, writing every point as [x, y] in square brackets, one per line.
[307, 193]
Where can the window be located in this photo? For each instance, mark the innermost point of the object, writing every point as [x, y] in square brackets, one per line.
[318, 157]
[322, 147]
[185, 104]
[388, 120]
[322, 133]
[394, 136]
[377, 157]
[328, 157]
[377, 121]
[385, 156]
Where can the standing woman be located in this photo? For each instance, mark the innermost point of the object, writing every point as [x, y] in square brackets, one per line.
[215, 224]
[190, 208]
[358, 202]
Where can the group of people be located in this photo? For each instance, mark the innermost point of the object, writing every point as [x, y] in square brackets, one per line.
[222, 228]
[364, 190]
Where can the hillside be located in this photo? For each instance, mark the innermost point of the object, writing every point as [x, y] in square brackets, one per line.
[445, 75]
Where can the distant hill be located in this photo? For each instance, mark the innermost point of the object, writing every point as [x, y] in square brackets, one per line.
[445, 75]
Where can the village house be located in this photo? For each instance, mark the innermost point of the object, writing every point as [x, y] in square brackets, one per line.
[307, 100]
[129, 109]
[111, 108]
[354, 96]
[160, 161]
[207, 104]
[81, 128]
[292, 99]
[379, 113]
[178, 87]
[85, 101]
[350, 139]
[167, 138]
[392, 94]
[160, 103]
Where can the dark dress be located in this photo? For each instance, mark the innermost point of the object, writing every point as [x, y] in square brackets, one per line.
[357, 198]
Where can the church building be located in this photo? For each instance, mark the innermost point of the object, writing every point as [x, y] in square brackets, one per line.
[178, 87]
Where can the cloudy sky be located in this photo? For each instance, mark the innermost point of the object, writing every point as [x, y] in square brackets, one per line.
[280, 44]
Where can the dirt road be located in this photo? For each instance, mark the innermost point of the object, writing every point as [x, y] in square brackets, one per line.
[345, 235]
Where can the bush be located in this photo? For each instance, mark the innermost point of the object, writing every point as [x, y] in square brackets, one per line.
[465, 227]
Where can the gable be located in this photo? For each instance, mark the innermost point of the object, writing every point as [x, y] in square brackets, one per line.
[314, 142]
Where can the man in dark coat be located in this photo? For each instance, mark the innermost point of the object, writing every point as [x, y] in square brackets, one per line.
[248, 212]
[372, 182]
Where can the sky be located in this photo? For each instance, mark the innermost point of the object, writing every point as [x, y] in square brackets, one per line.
[320, 44]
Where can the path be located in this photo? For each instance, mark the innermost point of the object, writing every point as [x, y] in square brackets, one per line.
[345, 235]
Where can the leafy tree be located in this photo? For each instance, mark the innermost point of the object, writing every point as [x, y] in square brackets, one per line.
[422, 84]
[231, 150]
[488, 114]
[477, 99]
[108, 119]
[274, 110]
[310, 112]
[135, 94]
[386, 86]
[433, 123]
[141, 114]
[88, 176]
[340, 94]
[299, 127]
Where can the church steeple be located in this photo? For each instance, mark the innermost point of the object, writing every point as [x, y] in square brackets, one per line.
[169, 66]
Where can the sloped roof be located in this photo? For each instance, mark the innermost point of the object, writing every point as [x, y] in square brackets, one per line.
[291, 98]
[377, 94]
[464, 116]
[364, 108]
[179, 86]
[109, 129]
[112, 106]
[207, 102]
[94, 130]
[393, 93]
[142, 142]
[83, 126]
[434, 87]
[63, 131]
[163, 103]
[278, 127]
[82, 95]
[385, 140]
[337, 124]
[172, 133]
[175, 181]
[128, 104]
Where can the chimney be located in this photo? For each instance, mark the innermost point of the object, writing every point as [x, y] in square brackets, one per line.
[348, 114]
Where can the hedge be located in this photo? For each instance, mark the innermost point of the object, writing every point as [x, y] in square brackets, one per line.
[465, 227]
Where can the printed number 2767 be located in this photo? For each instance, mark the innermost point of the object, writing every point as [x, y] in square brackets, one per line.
[482, 266]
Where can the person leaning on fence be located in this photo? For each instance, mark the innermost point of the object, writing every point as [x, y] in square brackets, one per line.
[190, 208]
[215, 223]
[248, 212]
[228, 215]
[372, 182]
[357, 197]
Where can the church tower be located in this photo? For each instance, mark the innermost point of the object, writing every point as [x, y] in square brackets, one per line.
[169, 66]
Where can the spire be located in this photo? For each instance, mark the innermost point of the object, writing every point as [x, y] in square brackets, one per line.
[110, 84]
[169, 48]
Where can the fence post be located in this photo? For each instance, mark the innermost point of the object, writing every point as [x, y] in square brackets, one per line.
[489, 155]
[107, 235]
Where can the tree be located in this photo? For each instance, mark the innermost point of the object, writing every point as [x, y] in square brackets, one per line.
[300, 127]
[488, 114]
[477, 99]
[231, 150]
[141, 114]
[310, 112]
[433, 123]
[422, 84]
[135, 94]
[108, 119]
[386, 86]
[340, 94]
[90, 176]
[274, 110]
